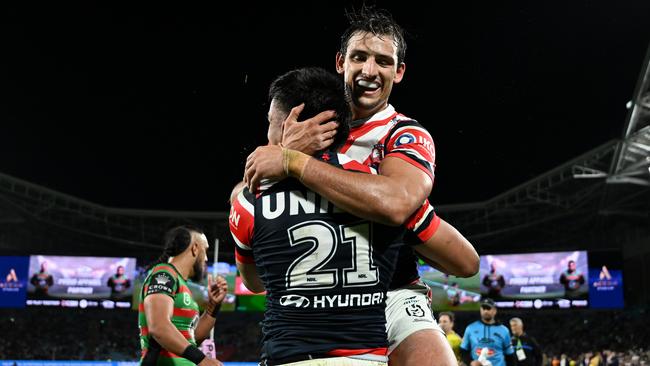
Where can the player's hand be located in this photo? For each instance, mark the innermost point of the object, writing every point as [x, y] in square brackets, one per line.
[311, 135]
[210, 362]
[263, 163]
[217, 289]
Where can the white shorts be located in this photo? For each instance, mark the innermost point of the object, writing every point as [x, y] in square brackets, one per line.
[408, 310]
[337, 361]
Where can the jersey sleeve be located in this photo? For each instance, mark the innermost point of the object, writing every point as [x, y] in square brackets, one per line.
[241, 222]
[422, 224]
[412, 143]
[347, 163]
[508, 349]
[162, 280]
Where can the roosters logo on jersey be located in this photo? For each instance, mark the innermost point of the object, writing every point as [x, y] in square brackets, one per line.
[405, 139]
[295, 301]
[377, 154]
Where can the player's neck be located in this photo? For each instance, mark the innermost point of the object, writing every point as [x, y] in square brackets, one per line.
[182, 265]
[359, 113]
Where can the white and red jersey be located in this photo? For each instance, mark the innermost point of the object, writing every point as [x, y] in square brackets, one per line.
[388, 133]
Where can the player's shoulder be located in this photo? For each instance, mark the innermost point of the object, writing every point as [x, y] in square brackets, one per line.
[163, 268]
[503, 328]
[401, 120]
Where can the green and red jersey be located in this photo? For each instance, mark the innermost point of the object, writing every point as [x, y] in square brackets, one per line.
[165, 279]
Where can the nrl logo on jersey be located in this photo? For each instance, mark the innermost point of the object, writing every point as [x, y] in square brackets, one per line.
[295, 301]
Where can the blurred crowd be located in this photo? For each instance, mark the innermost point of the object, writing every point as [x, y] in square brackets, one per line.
[567, 338]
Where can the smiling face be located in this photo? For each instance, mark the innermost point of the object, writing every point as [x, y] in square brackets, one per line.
[370, 68]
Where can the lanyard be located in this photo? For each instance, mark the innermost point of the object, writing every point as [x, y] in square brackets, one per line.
[519, 345]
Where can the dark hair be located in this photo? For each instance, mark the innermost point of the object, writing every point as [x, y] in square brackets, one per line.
[376, 21]
[320, 90]
[176, 240]
[449, 314]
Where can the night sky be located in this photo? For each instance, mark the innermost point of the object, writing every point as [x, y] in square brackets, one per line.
[128, 106]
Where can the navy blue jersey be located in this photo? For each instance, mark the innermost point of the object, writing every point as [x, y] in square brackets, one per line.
[326, 272]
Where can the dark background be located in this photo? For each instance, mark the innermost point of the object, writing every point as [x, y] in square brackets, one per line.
[157, 106]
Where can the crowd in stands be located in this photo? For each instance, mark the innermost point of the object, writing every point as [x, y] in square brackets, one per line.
[581, 338]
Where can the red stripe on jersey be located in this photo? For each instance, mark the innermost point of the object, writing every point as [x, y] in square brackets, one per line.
[412, 162]
[357, 166]
[141, 306]
[355, 133]
[144, 331]
[185, 313]
[241, 222]
[184, 289]
[427, 233]
[417, 216]
[412, 137]
[167, 268]
[166, 353]
[353, 352]
[242, 258]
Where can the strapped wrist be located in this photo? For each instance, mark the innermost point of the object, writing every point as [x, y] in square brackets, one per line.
[213, 309]
[193, 354]
[294, 162]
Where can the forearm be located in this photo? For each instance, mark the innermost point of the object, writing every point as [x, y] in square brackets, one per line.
[203, 328]
[449, 249]
[169, 338]
[379, 198]
[249, 276]
[431, 262]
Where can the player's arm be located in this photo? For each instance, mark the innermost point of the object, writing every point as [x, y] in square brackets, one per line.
[50, 280]
[217, 291]
[405, 180]
[389, 198]
[250, 278]
[449, 252]
[159, 309]
[442, 246]
[241, 222]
